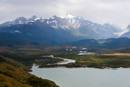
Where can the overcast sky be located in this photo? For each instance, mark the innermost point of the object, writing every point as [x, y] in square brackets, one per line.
[100, 11]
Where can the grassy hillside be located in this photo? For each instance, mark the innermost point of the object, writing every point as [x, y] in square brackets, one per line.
[13, 74]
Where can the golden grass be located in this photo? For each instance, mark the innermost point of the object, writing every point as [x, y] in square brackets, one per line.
[117, 54]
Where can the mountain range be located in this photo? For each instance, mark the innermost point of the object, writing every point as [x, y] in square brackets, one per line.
[57, 30]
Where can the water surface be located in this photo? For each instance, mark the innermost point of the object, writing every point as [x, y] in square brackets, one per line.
[66, 61]
[85, 77]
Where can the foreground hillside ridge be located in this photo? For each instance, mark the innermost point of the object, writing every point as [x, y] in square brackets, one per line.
[13, 74]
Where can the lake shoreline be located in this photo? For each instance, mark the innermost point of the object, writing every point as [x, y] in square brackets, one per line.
[74, 65]
[70, 63]
[82, 77]
[66, 66]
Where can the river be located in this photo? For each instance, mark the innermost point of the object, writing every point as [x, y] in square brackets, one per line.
[66, 61]
[85, 77]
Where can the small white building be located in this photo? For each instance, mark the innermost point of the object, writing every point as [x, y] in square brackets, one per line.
[86, 53]
[68, 49]
[50, 56]
[84, 48]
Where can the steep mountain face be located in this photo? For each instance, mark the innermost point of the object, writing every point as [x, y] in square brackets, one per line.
[80, 27]
[127, 34]
[37, 31]
[56, 30]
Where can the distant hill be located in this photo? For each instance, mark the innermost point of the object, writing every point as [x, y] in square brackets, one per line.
[111, 42]
[10, 40]
[86, 42]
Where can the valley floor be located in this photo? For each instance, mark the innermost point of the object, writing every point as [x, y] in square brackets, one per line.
[15, 62]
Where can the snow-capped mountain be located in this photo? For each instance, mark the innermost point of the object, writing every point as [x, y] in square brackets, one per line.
[22, 20]
[58, 29]
[81, 27]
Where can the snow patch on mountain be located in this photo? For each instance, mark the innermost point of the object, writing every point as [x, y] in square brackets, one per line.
[122, 32]
[17, 31]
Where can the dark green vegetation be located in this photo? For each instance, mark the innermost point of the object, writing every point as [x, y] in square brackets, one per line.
[99, 61]
[29, 55]
[46, 61]
[14, 74]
